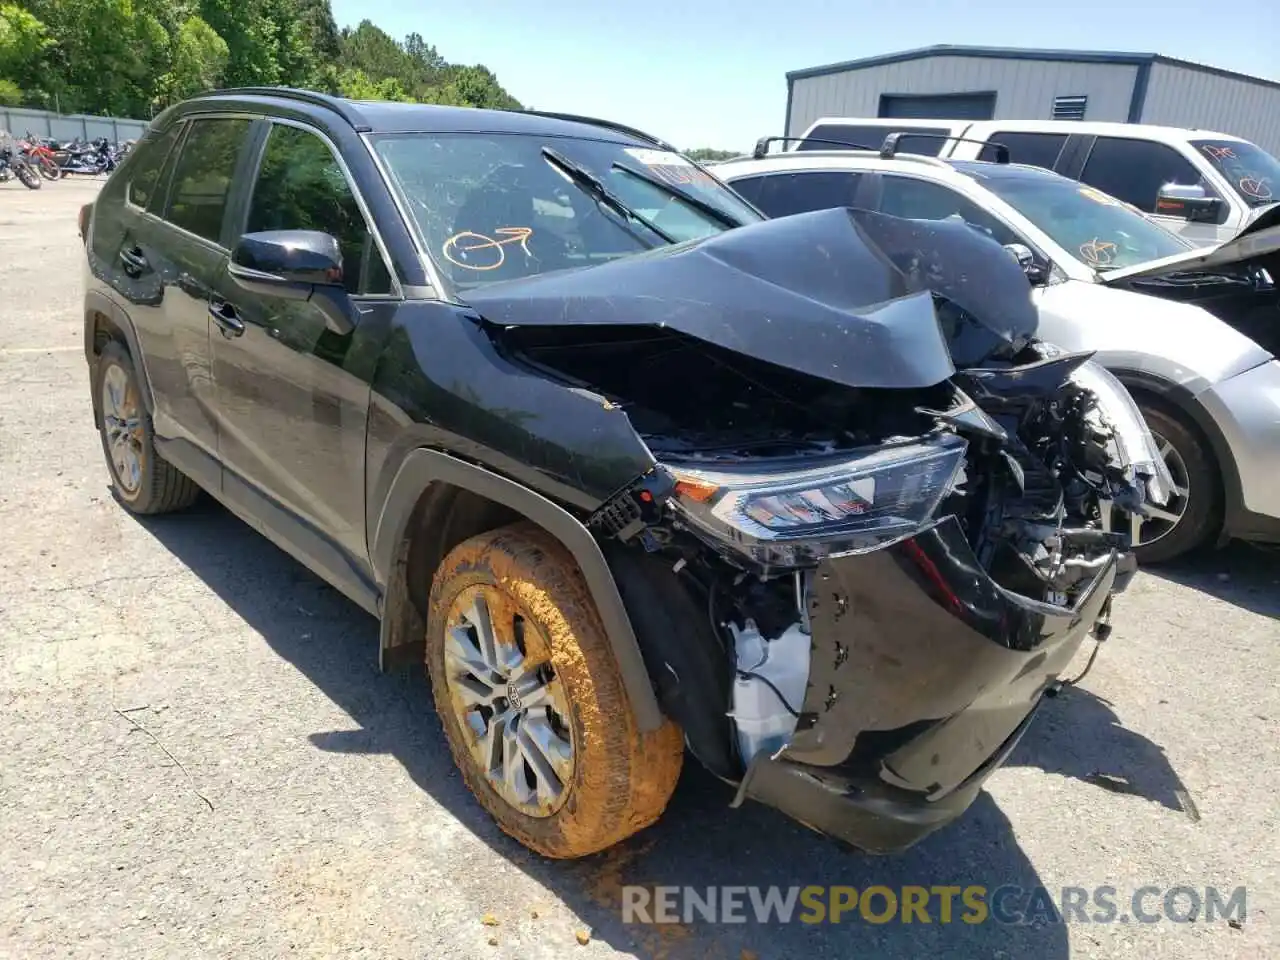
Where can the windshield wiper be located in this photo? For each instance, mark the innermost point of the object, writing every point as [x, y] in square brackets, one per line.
[590, 184]
[700, 205]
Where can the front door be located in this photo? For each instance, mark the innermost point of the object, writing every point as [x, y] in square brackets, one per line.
[292, 398]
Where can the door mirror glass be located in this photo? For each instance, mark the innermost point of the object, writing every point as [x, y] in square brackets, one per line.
[1187, 202]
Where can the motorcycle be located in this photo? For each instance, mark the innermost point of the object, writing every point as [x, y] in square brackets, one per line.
[87, 159]
[39, 154]
[13, 164]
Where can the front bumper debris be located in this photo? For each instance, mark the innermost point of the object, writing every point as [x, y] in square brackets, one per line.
[924, 675]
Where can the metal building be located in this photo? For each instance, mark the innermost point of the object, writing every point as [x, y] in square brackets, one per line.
[1000, 83]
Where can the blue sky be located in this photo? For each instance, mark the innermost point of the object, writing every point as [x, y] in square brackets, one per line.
[712, 72]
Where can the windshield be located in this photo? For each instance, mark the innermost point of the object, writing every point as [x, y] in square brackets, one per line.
[1252, 172]
[491, 207]
[1092, 226]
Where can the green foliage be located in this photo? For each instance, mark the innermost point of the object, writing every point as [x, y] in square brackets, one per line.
[10, 94]
[134, 57]
[704, 154]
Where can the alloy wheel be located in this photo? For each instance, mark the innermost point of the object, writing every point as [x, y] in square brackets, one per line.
[1161, 521]
[508, 701]
[122, 424]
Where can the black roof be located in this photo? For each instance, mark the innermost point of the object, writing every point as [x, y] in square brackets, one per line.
[376, 116]
[985, 170]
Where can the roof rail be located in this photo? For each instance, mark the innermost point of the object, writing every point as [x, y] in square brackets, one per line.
[762, 146]
[889, 149]
[597, 122]
[344, 108]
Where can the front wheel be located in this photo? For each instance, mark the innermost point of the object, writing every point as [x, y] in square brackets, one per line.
[49, 170]
[532, 700]
[30, 179]
[1192, 514]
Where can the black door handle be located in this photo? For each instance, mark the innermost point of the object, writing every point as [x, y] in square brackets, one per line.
[134, 261]
[224, 315]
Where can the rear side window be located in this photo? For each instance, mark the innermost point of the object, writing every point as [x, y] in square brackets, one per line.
[784, 194]
[302, 187]
[202, 176]
[152, 152]
[1033, 149]
[1135, 170]
[914, 199]
[872, 136]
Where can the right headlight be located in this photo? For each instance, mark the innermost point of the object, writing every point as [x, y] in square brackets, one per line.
[868, 501]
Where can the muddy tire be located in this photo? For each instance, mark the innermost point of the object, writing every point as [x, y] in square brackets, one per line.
[1196, 471]
[141, 479]
[534, 710]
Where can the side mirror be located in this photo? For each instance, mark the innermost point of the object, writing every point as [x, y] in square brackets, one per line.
[1027, 261]
[295, 265]
[1187, 202]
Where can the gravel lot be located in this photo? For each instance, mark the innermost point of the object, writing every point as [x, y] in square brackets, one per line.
[200, 758]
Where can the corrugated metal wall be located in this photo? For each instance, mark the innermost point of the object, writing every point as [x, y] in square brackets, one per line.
[1179, 97]
[20, 121]
[1024, 88]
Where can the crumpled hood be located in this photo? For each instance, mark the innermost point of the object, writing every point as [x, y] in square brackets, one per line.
[840, 294]
[1258, 241]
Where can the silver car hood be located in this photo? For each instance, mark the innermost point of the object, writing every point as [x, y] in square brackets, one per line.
[1259, 238]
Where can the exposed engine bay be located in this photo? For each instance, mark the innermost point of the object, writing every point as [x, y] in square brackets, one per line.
[773, 463]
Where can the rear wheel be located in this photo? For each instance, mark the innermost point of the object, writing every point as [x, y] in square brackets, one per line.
[532, 700]
[144, 482]
[1190, 517]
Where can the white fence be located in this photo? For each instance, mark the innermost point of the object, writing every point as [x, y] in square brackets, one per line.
[19, 121]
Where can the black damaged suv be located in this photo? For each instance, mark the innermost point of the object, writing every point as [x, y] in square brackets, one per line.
[632, 469]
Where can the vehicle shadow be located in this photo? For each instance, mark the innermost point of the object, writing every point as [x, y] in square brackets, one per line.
[698, 843]
[1081, 737]
[1243, 574]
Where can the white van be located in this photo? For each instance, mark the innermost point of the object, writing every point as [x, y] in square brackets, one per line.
[1203, 185]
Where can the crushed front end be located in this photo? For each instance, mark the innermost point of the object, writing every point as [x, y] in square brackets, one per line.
[853, 595]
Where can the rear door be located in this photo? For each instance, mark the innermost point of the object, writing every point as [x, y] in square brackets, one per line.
[292, 396]
[184, 246]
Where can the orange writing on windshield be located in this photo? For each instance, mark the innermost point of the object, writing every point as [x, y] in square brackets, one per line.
[478, 251]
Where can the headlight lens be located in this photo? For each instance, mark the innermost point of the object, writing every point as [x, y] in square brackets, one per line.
[858, 505]
[1136, 448]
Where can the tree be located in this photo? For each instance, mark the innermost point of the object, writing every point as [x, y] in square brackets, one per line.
[10, 94]
[127, 57]
[703, 154]
[199, 58]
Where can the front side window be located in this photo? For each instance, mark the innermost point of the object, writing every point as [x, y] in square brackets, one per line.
[1253, 173]
[301, 186]
[1093, 227]
[148, 161]
[491, 207]
[1135, 170]
[784, 194]
[202, 176]
[914, 199]
[1033, 149]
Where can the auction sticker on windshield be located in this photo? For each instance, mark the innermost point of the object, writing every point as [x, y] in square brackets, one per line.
[1097, 196]
[668, 166]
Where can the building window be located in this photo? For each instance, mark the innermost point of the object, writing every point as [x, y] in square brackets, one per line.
[1069, 108]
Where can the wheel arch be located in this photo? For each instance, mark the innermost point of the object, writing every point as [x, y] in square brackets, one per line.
[436, 501]
[1181, 402]
[104, 321]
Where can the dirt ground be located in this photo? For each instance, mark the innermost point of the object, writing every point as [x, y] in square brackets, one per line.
[198, 757]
